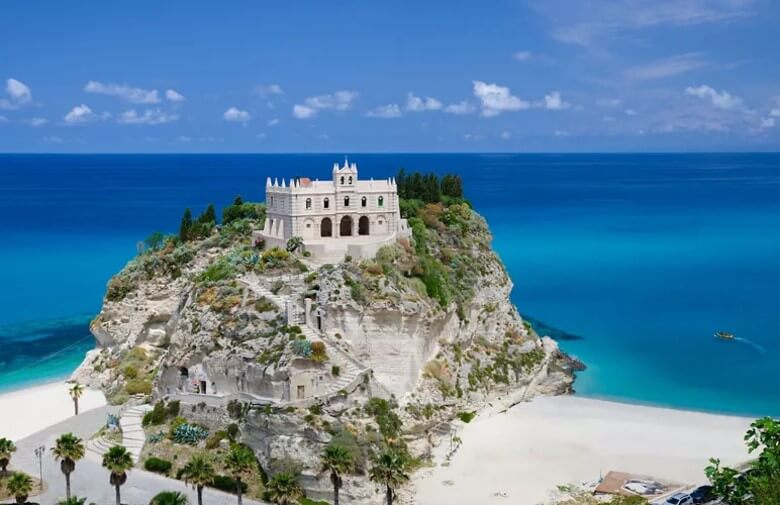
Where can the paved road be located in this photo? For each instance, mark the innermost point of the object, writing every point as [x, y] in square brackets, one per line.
[90, 479]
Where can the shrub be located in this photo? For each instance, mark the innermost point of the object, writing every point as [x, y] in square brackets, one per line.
[335, 370]
[139, 387]
[318, 350]
[189, 434]
[388, 421]
[130, 372]
[155, 416]
[173, 408]
[213, 441]
[302, 348]
[467, 417]
[219, 270]
[118, 287]
[227, 484]
[158, 465]
[232, 431]
[175, 423]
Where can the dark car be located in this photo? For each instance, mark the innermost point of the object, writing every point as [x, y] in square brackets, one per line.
[703, 494]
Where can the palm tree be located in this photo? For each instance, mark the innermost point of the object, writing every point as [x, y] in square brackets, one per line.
[118, 461]
[7, 448]
[20, 486]
[74, 500]
[240, 462]
[76, 390]
[199, 472]
[389, 470]
[169, 498]
[283, 489]
[337, 460]
[67, 450]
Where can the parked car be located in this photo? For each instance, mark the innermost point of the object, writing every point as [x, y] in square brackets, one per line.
[679, 499]
[703, 494]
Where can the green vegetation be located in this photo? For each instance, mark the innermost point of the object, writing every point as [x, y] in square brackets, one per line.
[198, 472]
[760, 484]
[19, 485]
[467, 417]
[7, 448]
[158, 465]
[283, 489]
[169, 498]
[68, 449]
[241, 210]
[240, 462]
[384, 414]
[390, 469]
[117, 461]
[337, 460]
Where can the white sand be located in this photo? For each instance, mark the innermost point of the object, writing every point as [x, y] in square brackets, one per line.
[536, 446]
[30, 410]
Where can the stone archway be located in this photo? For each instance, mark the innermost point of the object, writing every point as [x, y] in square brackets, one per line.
[363, 225]
[326, 228]
[345, 229]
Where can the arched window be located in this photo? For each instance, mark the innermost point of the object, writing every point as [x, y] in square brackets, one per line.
[363, 202]
[346, 201]
[381, 201]
[308, 203]
[326, 204]
[342, 179]
[350, 179]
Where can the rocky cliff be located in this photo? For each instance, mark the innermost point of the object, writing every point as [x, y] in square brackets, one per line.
[423, 334]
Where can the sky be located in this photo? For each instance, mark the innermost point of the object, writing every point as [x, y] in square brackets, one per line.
[390, 76]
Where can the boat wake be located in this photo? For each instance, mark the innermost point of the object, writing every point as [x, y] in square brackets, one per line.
[750, 343]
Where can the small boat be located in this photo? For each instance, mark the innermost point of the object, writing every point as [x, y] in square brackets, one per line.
[724, 335]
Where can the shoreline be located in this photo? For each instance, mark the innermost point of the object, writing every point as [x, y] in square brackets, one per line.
[37, 407]
[536, 446]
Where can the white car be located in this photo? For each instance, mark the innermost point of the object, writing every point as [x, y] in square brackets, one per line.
[679, 499]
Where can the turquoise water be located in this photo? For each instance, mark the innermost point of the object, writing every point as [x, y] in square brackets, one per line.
[642, 256]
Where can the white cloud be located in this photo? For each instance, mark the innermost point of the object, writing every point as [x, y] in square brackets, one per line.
[496, 99]
[630, 112]
[522, 55]
[273, 122]
[768, 122]
[265, 90]
[18, 91]
[418, 104]
[123, 91]
[303, 112]
[385, 111]
[53, 139]
[608, 102]
[149, 117]
[260, 136]
[667, 67]
[338, 101]
[80, 114]
[236, 115]
[19, 94]
[460, 108]
[36, 121]
[553, 101]
[722, 100]
[506, 135]
[775, 113]
[174, 96]
[184, 139]
[3, 119]
[472, 136]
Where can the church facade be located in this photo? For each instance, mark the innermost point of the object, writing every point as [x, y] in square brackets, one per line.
[333, 214]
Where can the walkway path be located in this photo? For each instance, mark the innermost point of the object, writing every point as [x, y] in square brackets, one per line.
[133, 435]
[92, 480]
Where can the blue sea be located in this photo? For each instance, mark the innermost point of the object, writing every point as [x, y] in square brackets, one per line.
[635, 260]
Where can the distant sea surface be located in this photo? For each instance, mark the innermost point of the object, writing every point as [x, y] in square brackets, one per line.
[632, 261]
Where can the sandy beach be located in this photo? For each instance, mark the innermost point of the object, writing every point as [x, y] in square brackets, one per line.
[30, 410]
[526, 452]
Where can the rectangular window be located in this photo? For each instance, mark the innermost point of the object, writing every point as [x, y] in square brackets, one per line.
[300, 392]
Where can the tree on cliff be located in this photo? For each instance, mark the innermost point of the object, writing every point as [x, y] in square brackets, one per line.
[7, 448]
[209, 215]
[186, 225]
[198, 472]
[75, 391]
[760, 485]
[240, 462]
[118, 461]
[67, 450]
[337, 460]
[389, 470]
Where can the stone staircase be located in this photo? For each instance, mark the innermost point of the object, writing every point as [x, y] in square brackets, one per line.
[133, 436]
